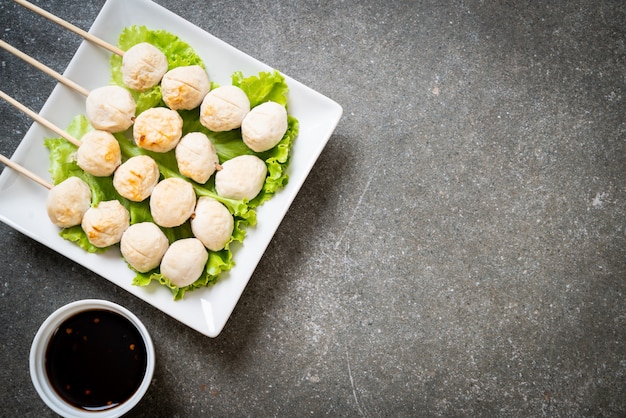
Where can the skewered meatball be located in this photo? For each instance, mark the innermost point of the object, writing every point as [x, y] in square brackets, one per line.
[68, 201]
[196, 157]
[105, 223]
[224, 108]
[264, 126]
[143, 66]
[143, 245]
[212, 223]
[185, 87]
[172, 202]
[158, 129]
[99, 153]
[110, 108]
[136, 178]
[241, 177]
[184, 261]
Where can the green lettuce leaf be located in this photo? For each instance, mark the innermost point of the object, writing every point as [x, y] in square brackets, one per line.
[266, 87]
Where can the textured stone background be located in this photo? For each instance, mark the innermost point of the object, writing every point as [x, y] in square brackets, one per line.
[459, 249]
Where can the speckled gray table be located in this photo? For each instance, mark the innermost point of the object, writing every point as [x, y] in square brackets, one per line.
[459, 249]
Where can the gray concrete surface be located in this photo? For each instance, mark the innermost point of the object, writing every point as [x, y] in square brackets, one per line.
[459, 249]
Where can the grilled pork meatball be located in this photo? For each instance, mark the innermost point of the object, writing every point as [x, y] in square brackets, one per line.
[158, 129]
[264, 126]
[110, 108]
[224, 108]
[241, 177]
[143, 66]
[99, 153]
[68, 201]
[212, 223]
[143, 245]
[185, 87]
[184, 261]
[172, 202]
[196, 157]
[136, 178]
[104, 224]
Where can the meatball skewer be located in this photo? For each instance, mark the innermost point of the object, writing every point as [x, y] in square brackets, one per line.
[98, 154]
[109, 108]
[67, 202]
[143, 65]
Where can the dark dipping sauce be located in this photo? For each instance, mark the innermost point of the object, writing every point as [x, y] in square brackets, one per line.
[96, 360]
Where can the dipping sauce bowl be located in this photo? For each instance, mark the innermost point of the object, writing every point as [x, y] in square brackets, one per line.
[92, 358]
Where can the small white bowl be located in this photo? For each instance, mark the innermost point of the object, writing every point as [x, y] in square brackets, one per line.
[38, 352]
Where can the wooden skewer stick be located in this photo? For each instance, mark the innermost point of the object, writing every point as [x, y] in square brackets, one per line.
[71, 27]
[24, 171]
[40, 119]
[69, 83]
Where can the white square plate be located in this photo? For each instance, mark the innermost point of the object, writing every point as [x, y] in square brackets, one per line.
[22, 202]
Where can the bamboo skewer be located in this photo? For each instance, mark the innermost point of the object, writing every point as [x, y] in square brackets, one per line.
[69, 83]
[25, 172]
[71, 27]
[40, 119]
